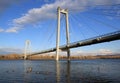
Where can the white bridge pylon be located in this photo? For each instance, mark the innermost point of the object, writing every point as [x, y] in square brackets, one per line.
[65, 12]
[27, 50]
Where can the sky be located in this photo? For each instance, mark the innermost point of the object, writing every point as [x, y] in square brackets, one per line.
[36, 20]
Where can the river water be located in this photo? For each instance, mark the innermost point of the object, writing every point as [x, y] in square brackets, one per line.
[48, 71]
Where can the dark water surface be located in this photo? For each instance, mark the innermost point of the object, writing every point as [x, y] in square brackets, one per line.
[82, 71]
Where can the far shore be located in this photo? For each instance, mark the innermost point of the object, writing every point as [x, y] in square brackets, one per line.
[62, 57]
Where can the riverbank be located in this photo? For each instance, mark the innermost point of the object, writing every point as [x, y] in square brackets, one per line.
[52, 57]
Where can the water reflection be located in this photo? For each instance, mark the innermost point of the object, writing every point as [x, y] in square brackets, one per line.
[68, 71]
[57, 71]
[82, 72]
[25, 64]
[27, 70]
[60, 72]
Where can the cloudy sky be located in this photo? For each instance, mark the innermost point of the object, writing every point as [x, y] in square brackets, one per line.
[36, 20]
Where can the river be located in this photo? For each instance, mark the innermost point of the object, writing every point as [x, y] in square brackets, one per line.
[49, 71]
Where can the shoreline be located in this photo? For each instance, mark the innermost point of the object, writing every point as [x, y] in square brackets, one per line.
[52, 57]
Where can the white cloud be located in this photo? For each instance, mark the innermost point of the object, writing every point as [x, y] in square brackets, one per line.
[1, 30]
[48, 11]
[10, 50]
[105, 51]
[13, 30]
[79, 52]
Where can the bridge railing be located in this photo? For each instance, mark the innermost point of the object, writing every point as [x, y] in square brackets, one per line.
[108, 34]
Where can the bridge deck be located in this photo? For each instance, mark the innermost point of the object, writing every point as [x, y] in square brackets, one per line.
[90, 41]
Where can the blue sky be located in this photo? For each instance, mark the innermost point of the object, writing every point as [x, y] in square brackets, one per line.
[36, 20]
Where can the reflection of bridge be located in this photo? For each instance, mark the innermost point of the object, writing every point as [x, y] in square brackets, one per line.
[68, 46]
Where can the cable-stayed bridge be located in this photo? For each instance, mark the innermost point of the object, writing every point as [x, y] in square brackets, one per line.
[100, 39]
[94, 40]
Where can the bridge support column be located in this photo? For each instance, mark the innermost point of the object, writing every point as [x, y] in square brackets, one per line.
[58, 35]
[63, 11]
[67, 35]
[27, 49]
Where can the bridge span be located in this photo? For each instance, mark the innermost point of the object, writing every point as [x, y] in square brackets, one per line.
[99, 39]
